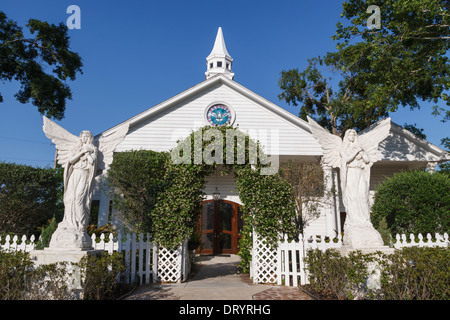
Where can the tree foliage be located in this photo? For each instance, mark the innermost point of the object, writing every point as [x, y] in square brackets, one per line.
[403, 62]
[413, 202]
[28, 59]
[376, 70]
[136, 178]
[28, 197]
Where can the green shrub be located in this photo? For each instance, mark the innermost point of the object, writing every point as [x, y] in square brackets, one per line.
[20, 280]
[245, 245]
[100, 275]
[413, 202]
[408, 274]
[49, 282]
[417, 274]
[342, 277]
[46, 234]
[14, 267]
[136, 179]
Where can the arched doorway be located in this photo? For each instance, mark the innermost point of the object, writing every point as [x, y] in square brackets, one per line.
[221, 226]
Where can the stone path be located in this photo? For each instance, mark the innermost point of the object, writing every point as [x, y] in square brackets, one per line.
[216, 278]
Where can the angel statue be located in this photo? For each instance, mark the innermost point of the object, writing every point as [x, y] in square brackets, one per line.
[80, 157]
[354, 155]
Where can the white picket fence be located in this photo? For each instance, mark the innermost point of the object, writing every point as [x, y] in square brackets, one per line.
[144, 260]
[438, 241]
[285, 265]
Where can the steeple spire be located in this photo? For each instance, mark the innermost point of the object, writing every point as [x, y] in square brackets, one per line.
[219, 60]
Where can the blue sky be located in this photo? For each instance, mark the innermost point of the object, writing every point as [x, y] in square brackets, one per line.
[137, 54]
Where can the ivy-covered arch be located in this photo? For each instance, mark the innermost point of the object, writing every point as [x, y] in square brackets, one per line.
[268, 203]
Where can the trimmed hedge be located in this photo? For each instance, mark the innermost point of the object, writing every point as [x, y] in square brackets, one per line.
[21, 280]
[408, 274]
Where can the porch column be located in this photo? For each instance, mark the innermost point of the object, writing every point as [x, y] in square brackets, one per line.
[331, 201]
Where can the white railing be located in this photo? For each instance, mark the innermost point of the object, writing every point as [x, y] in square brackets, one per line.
[290, 262]
[143, 259]
[292, 269]
[285, 264]
[438, 241]
[13, 243]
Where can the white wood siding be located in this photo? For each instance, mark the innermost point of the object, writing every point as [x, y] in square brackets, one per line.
[382, 171]
[161, 131]
[225, 184]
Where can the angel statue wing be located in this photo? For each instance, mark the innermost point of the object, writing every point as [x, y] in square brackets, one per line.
[107, 144]
[64, 141]
[330, 143]
[370, 138]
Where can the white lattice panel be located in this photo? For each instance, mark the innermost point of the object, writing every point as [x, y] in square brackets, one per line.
[264, 262]
[169, 265]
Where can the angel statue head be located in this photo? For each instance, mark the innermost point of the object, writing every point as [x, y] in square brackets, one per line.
[86, 137]
[350, 137]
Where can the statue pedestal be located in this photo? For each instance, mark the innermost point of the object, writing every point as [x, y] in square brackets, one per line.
[71, 257]
[345, 250]
[49, 255]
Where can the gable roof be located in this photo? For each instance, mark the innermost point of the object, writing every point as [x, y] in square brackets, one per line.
[393, 150]
[403, 145]
[217, 79]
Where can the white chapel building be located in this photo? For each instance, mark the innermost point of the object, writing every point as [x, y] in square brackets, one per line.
[160, 127]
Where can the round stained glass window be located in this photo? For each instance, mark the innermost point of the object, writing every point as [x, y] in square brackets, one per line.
[219, 115]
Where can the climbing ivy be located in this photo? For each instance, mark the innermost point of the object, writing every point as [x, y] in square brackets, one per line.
[268, 202]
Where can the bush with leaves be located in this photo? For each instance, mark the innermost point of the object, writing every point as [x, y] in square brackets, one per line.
[416, 274]
[29, 197]
[342, 277]
[21, 280]
[412, 273]
[136, 178]
[413, 202]
[13, 269]
[100, 275]
[46, 234]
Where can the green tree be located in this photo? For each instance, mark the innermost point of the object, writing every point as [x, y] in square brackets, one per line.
[28, 197]
[337, 110]
[376, 70]
[444, 168]
[405, 60]
[413, 202]
[41, 63]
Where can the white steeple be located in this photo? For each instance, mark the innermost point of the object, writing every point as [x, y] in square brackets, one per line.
[219, 60]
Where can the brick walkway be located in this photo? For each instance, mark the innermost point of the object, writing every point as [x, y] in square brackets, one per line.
[216, 279]
[282, 293]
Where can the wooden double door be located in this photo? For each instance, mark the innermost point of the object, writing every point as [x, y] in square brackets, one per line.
[221, 224]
